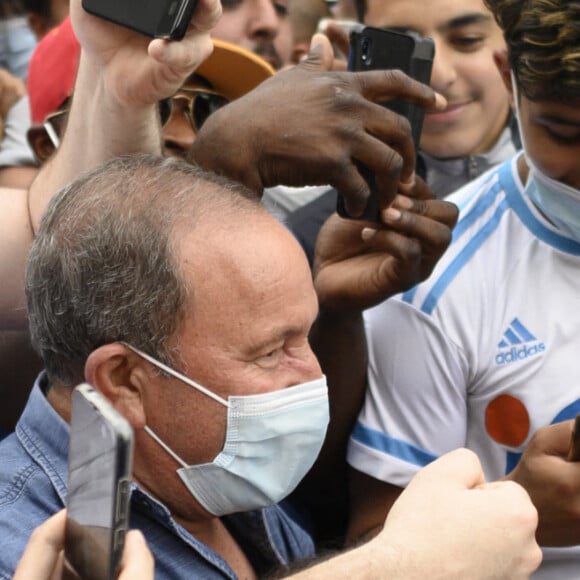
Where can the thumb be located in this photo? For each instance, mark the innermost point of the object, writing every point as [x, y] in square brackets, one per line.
[320, 57]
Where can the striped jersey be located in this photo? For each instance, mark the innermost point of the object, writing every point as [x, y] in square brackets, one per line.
[483, 353]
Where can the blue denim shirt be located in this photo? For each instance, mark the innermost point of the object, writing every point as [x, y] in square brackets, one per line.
[33, 476]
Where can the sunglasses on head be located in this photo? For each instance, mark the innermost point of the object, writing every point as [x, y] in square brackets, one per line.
[199, 104]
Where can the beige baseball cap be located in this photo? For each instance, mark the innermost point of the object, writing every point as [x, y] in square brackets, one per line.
[233, 71]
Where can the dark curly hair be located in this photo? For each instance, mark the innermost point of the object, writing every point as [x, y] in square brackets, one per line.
[543, 39]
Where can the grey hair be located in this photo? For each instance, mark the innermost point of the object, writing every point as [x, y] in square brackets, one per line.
[103, 269]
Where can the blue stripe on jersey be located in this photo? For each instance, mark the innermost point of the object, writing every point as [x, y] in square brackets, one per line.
[539, 230]
[395, 447]
[463, 258]
[475, 191]
[409, 295]
[467, 220]
[483, 204]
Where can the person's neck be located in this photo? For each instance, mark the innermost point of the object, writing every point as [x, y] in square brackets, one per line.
[59, 398]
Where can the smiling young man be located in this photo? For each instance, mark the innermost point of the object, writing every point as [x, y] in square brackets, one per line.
[465, 36]
[487, 348]
[476, 131]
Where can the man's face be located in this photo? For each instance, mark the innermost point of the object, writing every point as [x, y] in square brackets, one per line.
[465, 37]
[254, 24]
[252, 305]
[551, 136]
[190, 107]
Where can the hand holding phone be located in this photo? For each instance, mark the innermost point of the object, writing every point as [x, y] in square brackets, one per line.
[384, 49]
[100, 464]
[154, 18]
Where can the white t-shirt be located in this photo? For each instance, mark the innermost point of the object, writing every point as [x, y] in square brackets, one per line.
[483, 353]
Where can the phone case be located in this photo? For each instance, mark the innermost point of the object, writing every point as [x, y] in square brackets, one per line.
[100, 464]
[154, 18]
[384, 49]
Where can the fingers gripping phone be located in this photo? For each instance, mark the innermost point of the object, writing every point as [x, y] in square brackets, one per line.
[155, 18]
[99, 475]
[384, 49]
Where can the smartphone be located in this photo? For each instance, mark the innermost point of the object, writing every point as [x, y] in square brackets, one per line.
[384, 49]
[154, 18]
[574, 449]
[100, 462]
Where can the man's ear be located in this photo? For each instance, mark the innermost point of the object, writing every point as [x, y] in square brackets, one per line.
[501, 60]
[121, 376]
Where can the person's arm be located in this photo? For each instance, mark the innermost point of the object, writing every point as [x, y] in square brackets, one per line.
[370, 502]
[448, 524]
[553, 484]
[354, 272]
[15, 240]
[121, 77]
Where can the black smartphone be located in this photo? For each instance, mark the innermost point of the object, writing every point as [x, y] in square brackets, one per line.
[100, 461]
[384, 49]
[574, 449]
[154, 18]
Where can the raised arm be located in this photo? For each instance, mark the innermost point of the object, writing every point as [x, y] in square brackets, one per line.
[448, 524]
[357, 265]
[121, 77]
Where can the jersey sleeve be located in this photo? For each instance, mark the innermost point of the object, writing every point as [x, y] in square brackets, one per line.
[415, 405]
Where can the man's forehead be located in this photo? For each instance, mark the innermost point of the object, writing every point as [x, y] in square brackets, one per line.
[438, 13]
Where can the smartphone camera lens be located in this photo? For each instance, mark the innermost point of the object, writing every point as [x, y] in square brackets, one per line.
[366, 53]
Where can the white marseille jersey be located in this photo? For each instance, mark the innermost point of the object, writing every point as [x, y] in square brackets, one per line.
[483, 353]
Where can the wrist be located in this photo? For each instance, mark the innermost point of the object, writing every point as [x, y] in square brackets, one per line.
[219, 149]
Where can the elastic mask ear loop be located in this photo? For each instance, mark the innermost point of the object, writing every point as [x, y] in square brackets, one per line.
[177, 375]
[170, 451]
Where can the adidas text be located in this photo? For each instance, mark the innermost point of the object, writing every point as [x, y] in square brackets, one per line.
[515, 354]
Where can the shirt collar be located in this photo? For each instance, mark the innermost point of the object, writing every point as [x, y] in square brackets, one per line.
[45, 435]
[448, 175]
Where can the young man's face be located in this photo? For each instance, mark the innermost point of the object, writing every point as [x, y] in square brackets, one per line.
[465, 36]
[254, 24]
[551, 136]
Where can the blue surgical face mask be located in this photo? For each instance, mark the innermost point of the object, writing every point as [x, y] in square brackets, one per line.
[272, 441]
[560, 203]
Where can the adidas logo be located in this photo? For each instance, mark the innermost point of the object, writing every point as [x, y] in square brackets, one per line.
[518, 343]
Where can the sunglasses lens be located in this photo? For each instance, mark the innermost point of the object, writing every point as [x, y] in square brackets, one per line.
[204, 105]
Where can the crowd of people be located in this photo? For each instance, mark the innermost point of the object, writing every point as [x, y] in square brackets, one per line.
[310, 396]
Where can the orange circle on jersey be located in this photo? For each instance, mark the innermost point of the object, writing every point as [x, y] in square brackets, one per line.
[507, 421]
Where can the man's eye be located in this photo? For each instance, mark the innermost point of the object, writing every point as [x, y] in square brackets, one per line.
[281, 8]
[468, 43]
[562, 134]
[270, 358]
